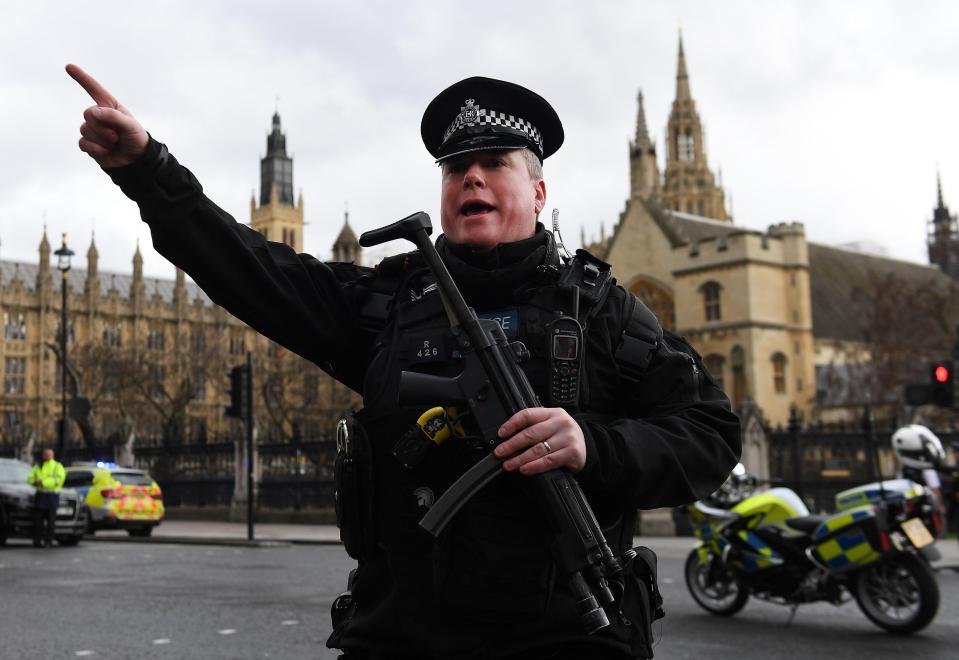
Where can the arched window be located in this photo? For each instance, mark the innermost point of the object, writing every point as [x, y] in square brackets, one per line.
[658, 298]
[779, 373]
[737, 359]
[685, 146]
[711, 292]
[715, 365]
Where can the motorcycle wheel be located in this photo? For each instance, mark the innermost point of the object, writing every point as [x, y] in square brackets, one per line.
[712, 587]
[900, 594]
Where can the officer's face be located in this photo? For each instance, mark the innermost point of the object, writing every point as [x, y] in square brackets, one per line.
[489, 198]
[47, 455]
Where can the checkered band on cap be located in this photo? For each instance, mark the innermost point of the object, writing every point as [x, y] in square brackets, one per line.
[472, 115]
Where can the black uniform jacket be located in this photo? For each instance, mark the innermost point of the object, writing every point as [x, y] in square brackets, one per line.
[488, 585]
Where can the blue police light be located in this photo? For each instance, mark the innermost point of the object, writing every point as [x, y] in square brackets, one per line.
[105, 464]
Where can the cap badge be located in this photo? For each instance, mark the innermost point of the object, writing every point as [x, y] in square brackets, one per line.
[469, 113]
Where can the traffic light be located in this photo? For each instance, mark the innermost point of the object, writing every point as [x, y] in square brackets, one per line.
[238, 398]
[942, 384]
[939, 391]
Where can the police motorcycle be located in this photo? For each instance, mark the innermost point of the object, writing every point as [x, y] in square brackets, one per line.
[767, 544]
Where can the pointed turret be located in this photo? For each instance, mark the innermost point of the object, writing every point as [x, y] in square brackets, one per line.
[179, 291]
[642, 140]
[346, 248]
[92, 284]
[943, 240]
[644, 170]
[44, 275]
[138, 288]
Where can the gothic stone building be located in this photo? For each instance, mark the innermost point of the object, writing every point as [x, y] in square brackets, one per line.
[151, 354]
[779, 320]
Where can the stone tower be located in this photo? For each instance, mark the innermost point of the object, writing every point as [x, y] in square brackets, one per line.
[277, 218]
[643, 169]
[689, 185]
[943, 238]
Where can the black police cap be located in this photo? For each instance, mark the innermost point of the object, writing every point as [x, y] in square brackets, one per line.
[478, 114]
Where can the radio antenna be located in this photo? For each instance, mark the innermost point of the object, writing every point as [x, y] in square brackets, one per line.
[559, 237]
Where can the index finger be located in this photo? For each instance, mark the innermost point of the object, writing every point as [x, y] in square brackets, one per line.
[96, 91]
[522, 419]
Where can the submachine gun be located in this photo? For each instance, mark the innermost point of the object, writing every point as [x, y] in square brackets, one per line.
[494, 387]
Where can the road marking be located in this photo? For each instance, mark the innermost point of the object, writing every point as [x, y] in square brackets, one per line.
[86, 653]
[227, 631]
[148, 556]
[289, 622]
[162, 640]
[76, 560]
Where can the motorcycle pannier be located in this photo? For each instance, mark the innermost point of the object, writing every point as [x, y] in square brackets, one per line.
[850, 539]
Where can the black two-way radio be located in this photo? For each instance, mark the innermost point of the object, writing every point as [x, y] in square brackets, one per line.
[565, 338]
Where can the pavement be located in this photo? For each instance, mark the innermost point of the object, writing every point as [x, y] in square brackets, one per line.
[271, 534]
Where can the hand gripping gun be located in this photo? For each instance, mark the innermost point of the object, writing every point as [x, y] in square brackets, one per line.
[494, 387]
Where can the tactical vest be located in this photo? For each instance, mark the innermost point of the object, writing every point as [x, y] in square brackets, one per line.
[492, 564]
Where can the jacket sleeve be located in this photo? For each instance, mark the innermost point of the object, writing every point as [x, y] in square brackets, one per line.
[59, 476]
[670, 439]
[294, 299]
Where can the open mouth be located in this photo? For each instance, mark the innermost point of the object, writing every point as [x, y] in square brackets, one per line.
[475, 208]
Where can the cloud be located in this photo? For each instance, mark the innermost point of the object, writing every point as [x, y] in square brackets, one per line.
[833, 114]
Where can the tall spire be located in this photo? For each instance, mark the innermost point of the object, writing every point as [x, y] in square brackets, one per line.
[642, 133]
[943, 239]
[939, 189]
[689, 186]
[682, 78]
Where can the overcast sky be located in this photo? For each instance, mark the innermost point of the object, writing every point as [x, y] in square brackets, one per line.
[834, 114]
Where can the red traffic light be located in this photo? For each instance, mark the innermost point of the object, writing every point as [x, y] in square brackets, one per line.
[940, 373]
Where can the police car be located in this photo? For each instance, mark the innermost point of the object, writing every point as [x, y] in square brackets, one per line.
[118, 497]
[16, 506]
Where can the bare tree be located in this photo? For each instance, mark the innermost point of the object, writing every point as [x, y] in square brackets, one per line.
[296, 398]
[906, 323]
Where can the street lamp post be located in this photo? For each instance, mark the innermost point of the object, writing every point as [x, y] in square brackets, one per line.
[63, 265]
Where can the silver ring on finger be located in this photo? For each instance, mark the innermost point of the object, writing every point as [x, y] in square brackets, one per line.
[547, 447]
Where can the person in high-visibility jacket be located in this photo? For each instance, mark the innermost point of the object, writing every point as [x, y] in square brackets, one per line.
[47, 477]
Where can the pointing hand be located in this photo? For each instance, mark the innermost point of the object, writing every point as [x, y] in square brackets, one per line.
[111, 135]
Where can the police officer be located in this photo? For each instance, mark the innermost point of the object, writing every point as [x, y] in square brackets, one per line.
[634, 415]
[47, 477]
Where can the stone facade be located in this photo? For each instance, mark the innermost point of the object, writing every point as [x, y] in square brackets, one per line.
[775, 316]
[152, 354]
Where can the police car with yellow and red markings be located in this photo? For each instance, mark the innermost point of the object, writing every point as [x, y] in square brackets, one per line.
[118, 497]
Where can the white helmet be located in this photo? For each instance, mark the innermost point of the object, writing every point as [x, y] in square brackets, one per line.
[917, 447]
